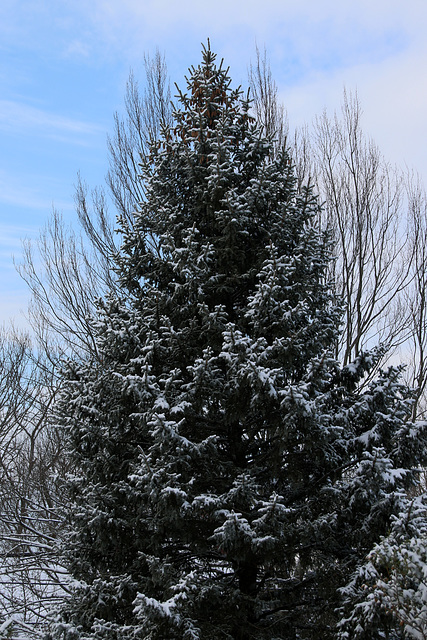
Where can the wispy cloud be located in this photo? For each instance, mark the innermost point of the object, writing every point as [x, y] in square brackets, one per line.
[11, 243]
[87, 29]
[18, 117]
[307, 25]
[13, 306]
[77, 49]
[11, 249]
[30, 194]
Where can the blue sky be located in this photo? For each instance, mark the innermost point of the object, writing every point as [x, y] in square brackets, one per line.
[64, 66]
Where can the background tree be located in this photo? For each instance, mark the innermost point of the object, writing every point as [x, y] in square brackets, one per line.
[268, 111]
[388, 594]
[145, 114]
[229, 476]
[415, 298]
[363, 203]
[31, 451]
[376, 215]
[66, 273]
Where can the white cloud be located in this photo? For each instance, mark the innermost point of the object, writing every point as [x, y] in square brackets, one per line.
[77, 49]
[18, 117]
[393, 98]
[29, 193]
[169, 14]
[81, 27]
[309, 25]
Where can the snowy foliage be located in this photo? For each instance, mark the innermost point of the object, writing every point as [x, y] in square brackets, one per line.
[388, 595]
[230, 477]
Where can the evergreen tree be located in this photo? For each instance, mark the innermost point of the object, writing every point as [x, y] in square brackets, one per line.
[230, 477]
[388, 593]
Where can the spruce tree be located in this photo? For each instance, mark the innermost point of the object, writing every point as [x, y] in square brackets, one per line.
[230, 477]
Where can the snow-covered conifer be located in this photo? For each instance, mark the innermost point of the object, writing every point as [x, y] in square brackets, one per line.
[230, 477]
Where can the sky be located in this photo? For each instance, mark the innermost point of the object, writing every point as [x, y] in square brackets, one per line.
[64, 66]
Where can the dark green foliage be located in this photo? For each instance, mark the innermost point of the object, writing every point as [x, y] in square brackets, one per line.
[230, 476]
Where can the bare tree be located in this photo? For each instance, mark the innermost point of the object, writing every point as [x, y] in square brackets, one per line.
[67, 271]
[135, 134]
[32, 464]
[365, 210]
[269, 113]
[416, 297]
[66, 275]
